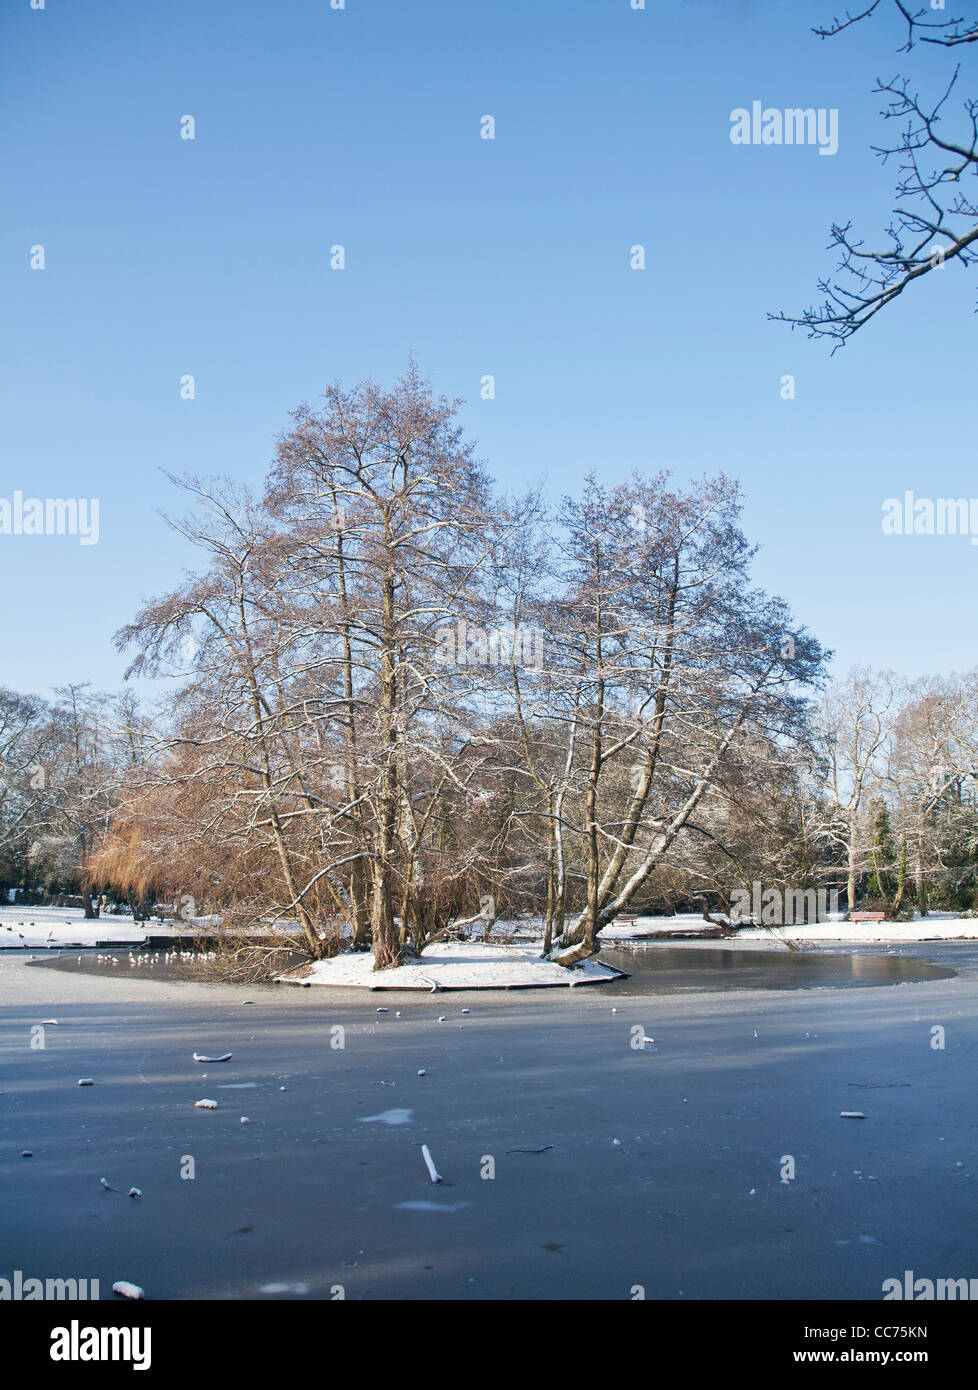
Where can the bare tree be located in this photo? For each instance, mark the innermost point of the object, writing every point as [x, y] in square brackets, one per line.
[26, 732]
[61, 767]
[319, 726]
[935, 218]
[933, 752]
[419, 532]
[678, 659]
[856, 722]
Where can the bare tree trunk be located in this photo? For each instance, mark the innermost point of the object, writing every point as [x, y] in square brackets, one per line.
[901, 876]
[309, 932]
[853, 866]
[548, 926]
[387, 948]
[591, 798]
[358, 921]
[918, 874]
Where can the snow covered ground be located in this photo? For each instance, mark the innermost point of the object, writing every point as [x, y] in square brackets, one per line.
[450, 965]
[938, 926]
[55, 928]
[49, 928]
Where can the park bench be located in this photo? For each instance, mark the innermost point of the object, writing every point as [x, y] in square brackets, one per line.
[867, 916]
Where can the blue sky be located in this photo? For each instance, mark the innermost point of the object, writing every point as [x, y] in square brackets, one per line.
[361, 127]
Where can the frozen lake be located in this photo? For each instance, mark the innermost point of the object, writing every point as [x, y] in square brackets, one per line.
[652, 969]
[326, 1186]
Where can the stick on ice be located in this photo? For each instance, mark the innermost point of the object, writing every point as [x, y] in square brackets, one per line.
[429, 1161]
